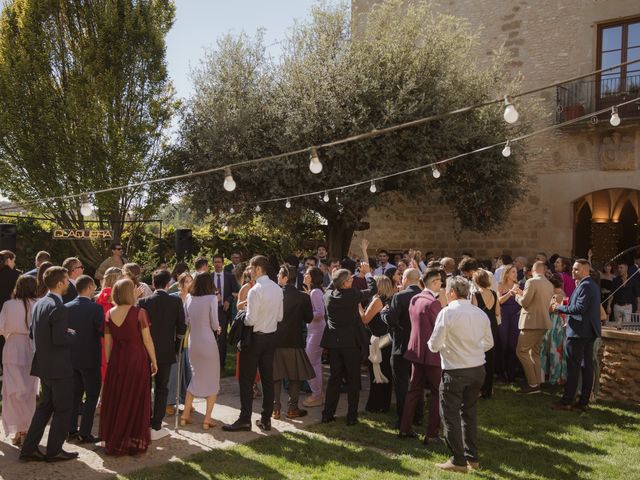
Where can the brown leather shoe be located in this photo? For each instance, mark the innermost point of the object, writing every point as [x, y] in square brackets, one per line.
[170, 410]
[276, 414]
[451, 467]
[296, 413]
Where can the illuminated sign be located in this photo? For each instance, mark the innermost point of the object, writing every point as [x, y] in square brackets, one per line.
[82, 234]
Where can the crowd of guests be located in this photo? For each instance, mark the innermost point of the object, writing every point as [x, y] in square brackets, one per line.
[417, 322]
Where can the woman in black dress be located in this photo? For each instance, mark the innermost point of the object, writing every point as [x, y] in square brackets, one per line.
[487, 300]
[380, 393]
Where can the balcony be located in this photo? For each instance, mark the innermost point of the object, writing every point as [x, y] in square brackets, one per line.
[583, 97]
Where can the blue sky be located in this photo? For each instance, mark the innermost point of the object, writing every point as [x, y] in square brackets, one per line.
[199, 23]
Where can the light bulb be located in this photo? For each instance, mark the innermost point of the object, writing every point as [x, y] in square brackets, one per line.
[325, 199]
[229, 183]
[506, 151]
[315, 165]
[232, 210]
[373, 188]
[288, 204]
[86, 209]
[208, 210]
[615, 118]
[258, 208]
[436, 172]
[510, 113]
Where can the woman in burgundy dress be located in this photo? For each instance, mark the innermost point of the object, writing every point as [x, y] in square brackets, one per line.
[126, 396]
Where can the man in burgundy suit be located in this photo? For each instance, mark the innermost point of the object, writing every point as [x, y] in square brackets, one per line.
[426, 370]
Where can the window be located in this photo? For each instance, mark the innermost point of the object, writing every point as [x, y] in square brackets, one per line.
[619, 43]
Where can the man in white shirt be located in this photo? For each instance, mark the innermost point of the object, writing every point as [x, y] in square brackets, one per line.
[264, 312]
[461, 335]
[383, 263]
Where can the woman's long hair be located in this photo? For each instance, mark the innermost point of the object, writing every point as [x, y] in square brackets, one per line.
[42, 288]
[26, 289]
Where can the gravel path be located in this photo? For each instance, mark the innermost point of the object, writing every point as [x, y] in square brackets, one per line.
[186, 441]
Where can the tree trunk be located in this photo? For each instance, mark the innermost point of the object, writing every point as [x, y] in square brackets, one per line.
[339, 235]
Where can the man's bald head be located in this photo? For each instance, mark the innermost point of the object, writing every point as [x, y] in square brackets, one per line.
[539, 267]
[411, 276]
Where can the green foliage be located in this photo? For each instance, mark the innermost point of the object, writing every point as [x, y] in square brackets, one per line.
[85, 100]
[405, 62]
[35, 235]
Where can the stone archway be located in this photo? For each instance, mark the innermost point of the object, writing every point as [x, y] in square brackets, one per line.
[606, 221]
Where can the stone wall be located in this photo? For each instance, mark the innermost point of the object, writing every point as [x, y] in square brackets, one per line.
[620, 367]
[548, 41]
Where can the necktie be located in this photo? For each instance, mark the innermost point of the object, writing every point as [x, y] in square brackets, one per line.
[219, 287]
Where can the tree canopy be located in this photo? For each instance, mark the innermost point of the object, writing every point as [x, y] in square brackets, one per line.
[85, 102]
[402, 63]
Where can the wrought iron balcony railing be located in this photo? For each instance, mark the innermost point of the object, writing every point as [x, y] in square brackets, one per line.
[582, 97]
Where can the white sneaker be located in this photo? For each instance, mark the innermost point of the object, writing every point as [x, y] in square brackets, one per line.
[158, 434]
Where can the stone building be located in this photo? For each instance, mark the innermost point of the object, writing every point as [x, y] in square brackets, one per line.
[583, 181]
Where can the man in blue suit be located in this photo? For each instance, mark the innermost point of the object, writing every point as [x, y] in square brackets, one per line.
[87, 318]
[52, 364]
[583, 327]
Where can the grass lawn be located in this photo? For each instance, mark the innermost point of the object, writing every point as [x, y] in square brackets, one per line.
[519, 438]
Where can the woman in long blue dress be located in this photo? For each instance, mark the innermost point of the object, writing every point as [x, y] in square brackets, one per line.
[507, 361]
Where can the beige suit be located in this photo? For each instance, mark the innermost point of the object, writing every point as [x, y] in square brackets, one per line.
[533, 324]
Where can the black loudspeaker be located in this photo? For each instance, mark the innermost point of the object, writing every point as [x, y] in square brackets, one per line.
[8, 237]
[184, 243]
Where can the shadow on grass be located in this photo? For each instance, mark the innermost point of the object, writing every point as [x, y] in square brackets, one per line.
[290, 455]
[519, 436]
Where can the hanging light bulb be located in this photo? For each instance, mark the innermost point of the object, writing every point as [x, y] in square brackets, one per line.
[325, 199]
[436, 173]
[85, 208]
[288, 204]
[615, 118]
[315, 165]
[258, 208]
[373, 188]
[229, 183]
[232, 210]
[208, 210]
[510, 113]
[506, 151]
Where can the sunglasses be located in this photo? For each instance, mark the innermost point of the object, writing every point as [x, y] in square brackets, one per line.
[118, 248]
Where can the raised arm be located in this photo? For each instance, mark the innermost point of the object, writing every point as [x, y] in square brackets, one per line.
[372, 309]
[364, 245]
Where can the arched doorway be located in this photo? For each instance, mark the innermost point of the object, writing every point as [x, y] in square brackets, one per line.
[606, 221]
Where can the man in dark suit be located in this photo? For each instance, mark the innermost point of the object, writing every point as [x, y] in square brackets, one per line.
[297, 312]
[166, 315]
[426, 369]
[236, 258]
[76, 269]
[343, 336]
[583, 327]
[41, 257]
[397, 317]
[86, 318]
[52, 364]
[226, 287]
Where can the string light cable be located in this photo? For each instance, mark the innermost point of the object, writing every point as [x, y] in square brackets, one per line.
[354, 138]
[435, 164]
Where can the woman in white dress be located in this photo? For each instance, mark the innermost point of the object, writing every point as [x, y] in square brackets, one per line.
[19, 388]
[201, 308]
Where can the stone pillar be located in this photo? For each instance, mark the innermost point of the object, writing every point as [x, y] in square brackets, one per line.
[620, 366]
